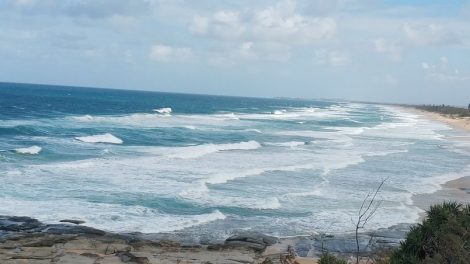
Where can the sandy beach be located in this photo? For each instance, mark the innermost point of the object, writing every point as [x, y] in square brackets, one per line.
[461, 123]
[457, 190]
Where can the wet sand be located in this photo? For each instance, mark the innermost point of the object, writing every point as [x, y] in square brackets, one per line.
[461, 123]
[455, 190]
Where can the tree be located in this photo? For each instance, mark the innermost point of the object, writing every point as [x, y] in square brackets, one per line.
[366, 212]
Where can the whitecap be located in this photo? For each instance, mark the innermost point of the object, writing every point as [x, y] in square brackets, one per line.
[84, 118]
[163, 111]
[110, 217]
[33, 150]
[290, 144]
[269, 203]
[103, 138]
[253, 130]
[279, 112]
[205, 149]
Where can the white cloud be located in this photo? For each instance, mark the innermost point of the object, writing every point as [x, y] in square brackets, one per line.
[277, 23]
[441, 71]
[199, 25]
[247, 50]
[250, 51]
[227, 24]
[282, 22]
[164, 53]
[331, 58]
[430, 35]
[124, 22]
[390, 48]
[80, 8]
[390, 79]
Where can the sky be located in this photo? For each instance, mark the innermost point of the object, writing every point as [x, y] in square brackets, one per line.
[415, 51]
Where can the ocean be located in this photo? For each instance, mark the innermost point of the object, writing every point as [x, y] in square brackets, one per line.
[135, 161]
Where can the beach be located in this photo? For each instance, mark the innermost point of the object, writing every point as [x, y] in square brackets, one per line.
[462, 123]
[173, 177]
[457, 190]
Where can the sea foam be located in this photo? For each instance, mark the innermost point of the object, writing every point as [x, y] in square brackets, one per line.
[103, 138]
[205, 149]
[33, 150]
[163, 111]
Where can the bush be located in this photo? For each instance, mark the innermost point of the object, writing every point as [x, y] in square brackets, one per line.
[444, 237]
[327, 258]
[446, 110]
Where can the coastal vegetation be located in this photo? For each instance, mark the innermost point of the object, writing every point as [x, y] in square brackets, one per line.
[446, 110]
[443, 237]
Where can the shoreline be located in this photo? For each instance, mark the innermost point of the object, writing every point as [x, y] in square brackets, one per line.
[460, 123]
[457, 190]
[27, 240]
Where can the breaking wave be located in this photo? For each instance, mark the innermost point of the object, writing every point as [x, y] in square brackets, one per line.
[205, 149]
[103, 138]
[163, 111]
[33, 150]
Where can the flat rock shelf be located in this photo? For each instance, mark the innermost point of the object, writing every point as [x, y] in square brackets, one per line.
[27, 240]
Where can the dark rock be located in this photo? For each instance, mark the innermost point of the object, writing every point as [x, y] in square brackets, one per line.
[72, 221]
[47, 241]
[67, 229]
[128, 257]
[245, 244]
[253, 240]
[90, 255]
[18, 223]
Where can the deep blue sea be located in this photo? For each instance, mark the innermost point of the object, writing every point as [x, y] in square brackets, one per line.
[161, 162]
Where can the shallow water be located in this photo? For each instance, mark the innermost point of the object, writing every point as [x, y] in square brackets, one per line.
[159, 162]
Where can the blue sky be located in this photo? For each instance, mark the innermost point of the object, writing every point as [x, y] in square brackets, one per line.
[391, 51]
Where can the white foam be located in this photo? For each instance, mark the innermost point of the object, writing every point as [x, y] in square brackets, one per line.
[84, 118]
[33, 150]
[290, 144]
[279, 112]
[254, 130]
[269, 203]
[110, 217]
[103, 138]
[163, 111]
[205, 149]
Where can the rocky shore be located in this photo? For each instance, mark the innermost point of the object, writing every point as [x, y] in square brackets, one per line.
[26, 240]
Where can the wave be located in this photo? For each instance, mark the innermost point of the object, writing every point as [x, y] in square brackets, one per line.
[253, 130]
[290, 144]
[110, 217]
[84, 118]
[325, 135]
[103, 138]
[205, 149]
[163, 111]
[279, 112]
[266, 204]
[33, 150]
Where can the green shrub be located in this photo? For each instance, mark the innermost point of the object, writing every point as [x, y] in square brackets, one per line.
[446, 110]
[327, 258]
[443, 237]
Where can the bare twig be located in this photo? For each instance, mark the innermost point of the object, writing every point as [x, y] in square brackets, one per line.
[368, 209]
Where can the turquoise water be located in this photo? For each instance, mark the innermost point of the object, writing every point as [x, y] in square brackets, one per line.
[161, 162]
